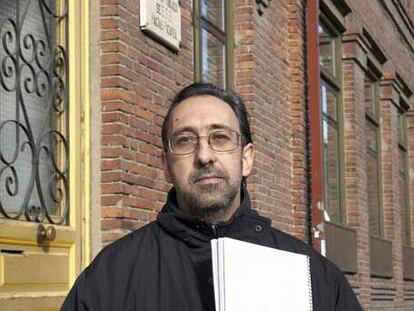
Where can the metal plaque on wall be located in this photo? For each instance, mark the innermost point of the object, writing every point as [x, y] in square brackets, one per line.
[161, 19]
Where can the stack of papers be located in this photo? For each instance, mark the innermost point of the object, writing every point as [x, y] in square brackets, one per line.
[250, 277]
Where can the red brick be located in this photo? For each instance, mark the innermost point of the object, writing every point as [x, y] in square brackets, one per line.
[139, 77]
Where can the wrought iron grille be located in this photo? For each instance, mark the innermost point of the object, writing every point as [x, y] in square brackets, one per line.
[34, 135]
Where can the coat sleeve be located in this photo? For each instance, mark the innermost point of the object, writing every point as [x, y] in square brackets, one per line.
[76, 300]
[89, 293]
[346, 299]
[97, 285]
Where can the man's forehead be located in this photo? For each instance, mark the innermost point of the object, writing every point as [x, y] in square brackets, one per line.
[203, 112]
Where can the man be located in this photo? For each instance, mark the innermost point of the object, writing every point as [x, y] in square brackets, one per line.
[166, 265]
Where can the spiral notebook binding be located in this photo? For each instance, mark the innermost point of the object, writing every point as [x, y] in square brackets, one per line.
[310, 285]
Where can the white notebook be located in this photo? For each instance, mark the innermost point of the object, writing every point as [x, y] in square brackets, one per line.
[250, 277]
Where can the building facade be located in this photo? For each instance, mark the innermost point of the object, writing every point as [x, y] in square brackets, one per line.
[84, 87]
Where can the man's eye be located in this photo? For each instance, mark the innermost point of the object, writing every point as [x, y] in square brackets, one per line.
[220, 137]
[183, 140]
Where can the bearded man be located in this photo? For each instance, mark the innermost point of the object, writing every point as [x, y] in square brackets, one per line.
[166, 265]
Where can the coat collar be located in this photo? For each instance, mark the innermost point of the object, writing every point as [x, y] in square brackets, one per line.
[196, 233]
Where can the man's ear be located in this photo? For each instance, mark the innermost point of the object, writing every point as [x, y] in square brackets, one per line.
[164, 161]
[247, 159]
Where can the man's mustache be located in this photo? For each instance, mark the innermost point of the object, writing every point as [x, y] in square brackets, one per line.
[207, 171]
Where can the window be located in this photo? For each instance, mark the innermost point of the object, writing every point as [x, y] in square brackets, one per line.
[403, 176]
[371, 95]
[329, 60]
[213, 46]
[33, 111]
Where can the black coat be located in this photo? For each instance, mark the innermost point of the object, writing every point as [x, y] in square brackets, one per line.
[166, 265]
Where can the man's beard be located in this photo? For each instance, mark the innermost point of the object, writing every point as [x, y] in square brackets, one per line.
[211, 198]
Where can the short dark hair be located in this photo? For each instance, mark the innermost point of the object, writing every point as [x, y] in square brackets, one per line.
[202, 89]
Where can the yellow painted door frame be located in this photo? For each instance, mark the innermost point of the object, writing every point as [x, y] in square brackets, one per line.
[36, 276]
[80, 129]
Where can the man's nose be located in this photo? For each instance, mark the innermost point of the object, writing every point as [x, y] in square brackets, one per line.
[204, 153]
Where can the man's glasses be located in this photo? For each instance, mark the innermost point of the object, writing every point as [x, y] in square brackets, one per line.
[221, 140]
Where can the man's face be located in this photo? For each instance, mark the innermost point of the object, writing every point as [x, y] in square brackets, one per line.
[206, 181]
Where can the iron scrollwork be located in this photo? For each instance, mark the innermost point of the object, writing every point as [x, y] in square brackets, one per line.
[34, 135]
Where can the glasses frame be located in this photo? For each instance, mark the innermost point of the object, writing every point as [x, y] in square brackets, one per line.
[239, 143]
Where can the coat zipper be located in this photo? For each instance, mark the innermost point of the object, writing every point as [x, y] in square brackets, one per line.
[214, 229]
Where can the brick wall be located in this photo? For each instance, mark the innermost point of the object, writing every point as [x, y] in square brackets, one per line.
[139, 77]
[409, 6]
[354, 167]
[297, 100]
[374, 293]
[269, 74]
[390, 201]
[410, 138]
[270, 115]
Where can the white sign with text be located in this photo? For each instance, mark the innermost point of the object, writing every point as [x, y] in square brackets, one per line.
[161, 19]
